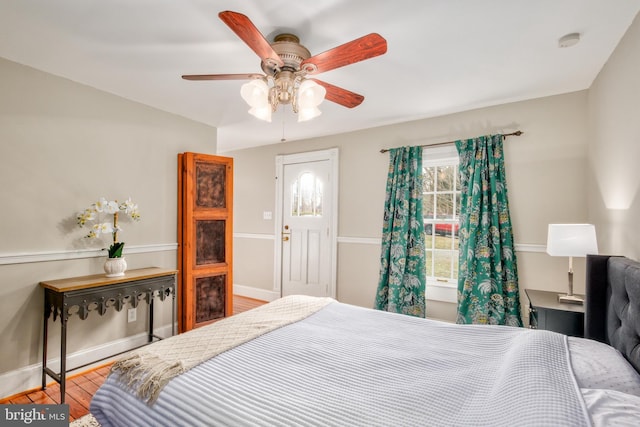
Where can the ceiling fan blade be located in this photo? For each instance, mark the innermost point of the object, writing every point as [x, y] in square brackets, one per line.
[222, 76]
[365, 47]
[340, 96]
[244, 28]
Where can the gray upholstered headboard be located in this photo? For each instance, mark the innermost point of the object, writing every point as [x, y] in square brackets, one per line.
[612, 308]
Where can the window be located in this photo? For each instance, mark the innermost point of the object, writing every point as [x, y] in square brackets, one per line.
[306, 196]
[441, 210]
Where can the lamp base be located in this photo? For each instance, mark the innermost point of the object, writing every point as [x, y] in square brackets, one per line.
[570, 299]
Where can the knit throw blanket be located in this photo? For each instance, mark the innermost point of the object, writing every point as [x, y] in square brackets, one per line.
[147, 370]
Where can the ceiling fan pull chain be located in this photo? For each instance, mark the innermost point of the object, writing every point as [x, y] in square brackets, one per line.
[283, 139]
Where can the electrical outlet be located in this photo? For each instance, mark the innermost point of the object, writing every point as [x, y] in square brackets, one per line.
[131, 315]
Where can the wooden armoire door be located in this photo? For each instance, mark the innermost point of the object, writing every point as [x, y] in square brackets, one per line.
[205, 236]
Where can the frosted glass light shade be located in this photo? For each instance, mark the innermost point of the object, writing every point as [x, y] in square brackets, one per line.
[572, 240]
[310, 95]
[256, 94]
[309, 113]
[262, 113]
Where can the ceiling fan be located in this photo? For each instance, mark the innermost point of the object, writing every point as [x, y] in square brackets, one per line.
[286, 64]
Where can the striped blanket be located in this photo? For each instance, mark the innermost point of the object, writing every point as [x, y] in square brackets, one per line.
[350, 366]
[148, 370]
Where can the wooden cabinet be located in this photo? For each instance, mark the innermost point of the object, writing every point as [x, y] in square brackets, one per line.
[545, 312]
[205, 238]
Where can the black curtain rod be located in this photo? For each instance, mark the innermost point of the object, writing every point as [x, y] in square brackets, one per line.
[516, 133]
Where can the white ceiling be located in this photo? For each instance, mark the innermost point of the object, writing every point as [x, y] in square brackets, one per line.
[443, 56]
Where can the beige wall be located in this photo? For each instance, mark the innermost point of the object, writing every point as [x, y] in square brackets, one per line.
[546, 170]
[614, 149]
[62, 146]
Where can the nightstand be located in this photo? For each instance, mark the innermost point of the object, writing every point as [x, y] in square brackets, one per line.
[546, 312]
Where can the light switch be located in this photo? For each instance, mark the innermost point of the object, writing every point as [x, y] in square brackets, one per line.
[267, 215]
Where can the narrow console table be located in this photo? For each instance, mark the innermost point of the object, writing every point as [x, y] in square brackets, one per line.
[97, 293]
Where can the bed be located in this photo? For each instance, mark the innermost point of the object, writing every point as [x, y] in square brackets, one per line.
[305, 361]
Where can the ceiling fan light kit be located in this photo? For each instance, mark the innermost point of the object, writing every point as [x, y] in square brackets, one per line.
[286, 64]
[304, 95]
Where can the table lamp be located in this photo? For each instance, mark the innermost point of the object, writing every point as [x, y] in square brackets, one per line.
[572, 240]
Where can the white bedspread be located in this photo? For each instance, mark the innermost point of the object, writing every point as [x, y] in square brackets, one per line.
[349, 366]
[147, 370]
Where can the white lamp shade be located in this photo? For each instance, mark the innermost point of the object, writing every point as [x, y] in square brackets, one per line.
[310, 94]
[256, 94]
[309, 113]
[573, 240]
[262, 113]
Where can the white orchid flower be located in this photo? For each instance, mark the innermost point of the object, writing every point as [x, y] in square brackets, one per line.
[135, 214]
[130, 209]
[100, 204]
[102, 228]
[128, 206]
[111, 207]
[97, 217]
[87, 215]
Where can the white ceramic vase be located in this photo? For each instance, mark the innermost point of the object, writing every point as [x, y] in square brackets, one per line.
[115, 267]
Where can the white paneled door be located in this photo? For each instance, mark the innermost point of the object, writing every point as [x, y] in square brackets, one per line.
[306, 228]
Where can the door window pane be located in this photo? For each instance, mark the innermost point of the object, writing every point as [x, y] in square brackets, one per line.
[306, 196]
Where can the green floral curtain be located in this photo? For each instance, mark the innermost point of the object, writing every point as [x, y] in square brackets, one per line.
[488, 275]
[402, 281]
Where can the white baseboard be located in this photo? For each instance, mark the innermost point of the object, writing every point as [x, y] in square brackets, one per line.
[255, 293]
[30, 377]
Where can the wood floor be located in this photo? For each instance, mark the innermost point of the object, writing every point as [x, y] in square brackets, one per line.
[81, 387]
